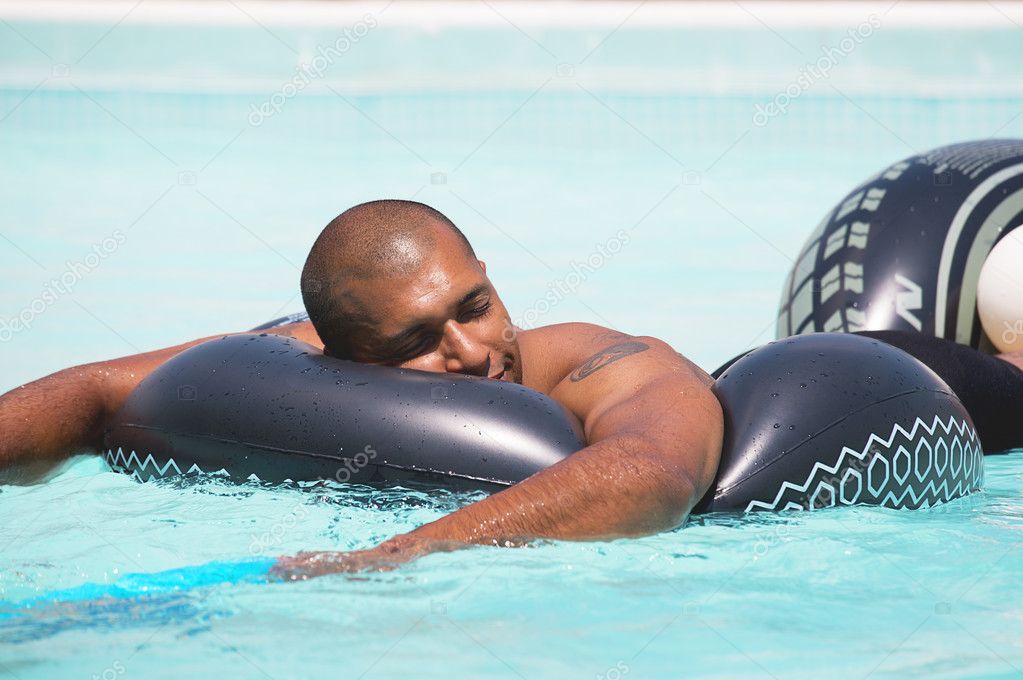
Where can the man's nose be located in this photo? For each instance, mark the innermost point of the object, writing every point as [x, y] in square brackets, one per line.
[463, 353]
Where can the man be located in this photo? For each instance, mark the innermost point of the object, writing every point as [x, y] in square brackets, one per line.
[396, 283]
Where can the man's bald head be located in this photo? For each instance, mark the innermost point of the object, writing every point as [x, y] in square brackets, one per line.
[374, 240]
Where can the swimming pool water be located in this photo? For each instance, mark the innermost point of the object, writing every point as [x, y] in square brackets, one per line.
[542, 142]
[849, 593]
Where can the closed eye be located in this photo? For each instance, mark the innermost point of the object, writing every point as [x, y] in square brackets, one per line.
[421, 340]
[420, 346]
[477, 312]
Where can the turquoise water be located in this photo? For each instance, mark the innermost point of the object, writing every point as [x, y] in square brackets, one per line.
[141, 135]
[848, 593]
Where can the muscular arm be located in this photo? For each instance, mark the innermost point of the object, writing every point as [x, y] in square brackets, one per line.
[45, 421]
[654, 433]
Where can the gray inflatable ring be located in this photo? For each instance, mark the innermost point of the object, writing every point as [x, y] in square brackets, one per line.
[816, 421]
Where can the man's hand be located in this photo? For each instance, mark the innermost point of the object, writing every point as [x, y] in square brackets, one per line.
[385, 557]
[654, 430]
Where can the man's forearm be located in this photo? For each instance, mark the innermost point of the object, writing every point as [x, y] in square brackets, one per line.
[617, 487]
[65, 413]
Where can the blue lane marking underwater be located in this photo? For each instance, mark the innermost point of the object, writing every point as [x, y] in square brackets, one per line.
[172, 580]
[153, 599]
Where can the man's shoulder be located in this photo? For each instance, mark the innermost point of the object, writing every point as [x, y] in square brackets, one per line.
[577, 331]
[549, 353]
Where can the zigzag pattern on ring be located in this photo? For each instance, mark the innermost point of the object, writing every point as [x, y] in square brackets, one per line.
[968, 476]
[132, 465]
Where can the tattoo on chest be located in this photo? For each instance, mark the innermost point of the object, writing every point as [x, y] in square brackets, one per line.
[606, 356]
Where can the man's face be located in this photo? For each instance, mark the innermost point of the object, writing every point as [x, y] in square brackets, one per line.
[446, 317]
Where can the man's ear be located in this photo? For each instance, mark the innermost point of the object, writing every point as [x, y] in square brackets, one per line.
[483, 266]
